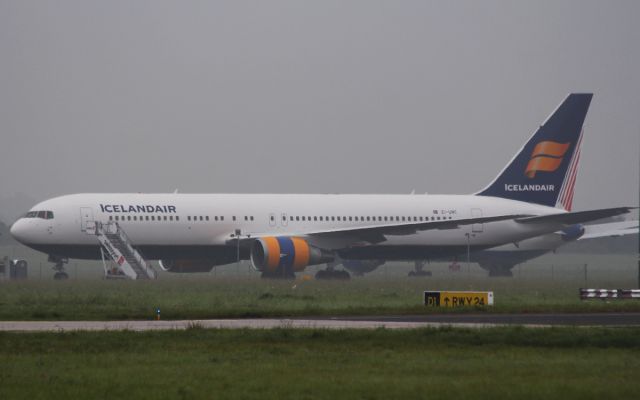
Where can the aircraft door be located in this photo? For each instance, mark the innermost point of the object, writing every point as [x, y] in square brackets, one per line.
[86, 220]
[476, 213]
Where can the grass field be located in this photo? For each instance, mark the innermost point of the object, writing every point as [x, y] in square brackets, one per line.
[514, 363]
[549, 285]
[201, 298]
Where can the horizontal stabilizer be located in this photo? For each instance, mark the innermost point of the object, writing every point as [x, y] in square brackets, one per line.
[576, 217]
[611, 229]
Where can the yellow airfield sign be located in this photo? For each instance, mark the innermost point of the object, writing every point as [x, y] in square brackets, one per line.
[457, 299]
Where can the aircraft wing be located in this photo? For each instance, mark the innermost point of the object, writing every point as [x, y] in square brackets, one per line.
[377, 233]
[575, 217]
[610, 229]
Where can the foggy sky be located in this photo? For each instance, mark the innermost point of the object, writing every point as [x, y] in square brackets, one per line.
[311, 97]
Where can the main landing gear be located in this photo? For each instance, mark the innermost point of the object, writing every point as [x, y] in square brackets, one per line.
[499, 270]
[60, 273]
[419, 271]
[332, 274]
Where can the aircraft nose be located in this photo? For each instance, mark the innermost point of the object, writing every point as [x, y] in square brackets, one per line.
[18, 231]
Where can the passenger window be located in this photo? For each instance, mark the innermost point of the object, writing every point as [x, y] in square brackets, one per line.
[251, 218]
[177, 218]
[297, 218]
[170, 217]
[110, 217]
[116, 217]
[233, 218]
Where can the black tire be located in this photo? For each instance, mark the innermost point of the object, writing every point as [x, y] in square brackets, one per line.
[60, 276]
[342, 275]
[322, 274]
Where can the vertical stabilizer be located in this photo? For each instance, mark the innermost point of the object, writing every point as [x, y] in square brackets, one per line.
[545, 169]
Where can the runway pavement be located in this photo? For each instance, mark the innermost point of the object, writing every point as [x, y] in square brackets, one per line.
[370, 322]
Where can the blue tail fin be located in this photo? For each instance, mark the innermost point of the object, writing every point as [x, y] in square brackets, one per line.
[544, 170]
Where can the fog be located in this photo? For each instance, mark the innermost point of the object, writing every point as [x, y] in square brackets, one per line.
[311, 97]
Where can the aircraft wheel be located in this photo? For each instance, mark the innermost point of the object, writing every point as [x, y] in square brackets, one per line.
[501, 272]
[60, 276]
[416, 274]
[342, 275]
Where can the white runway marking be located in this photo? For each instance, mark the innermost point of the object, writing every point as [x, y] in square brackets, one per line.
[65, 326]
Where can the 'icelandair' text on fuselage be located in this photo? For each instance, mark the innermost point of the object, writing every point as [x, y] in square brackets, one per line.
[529, 188]
[119, 208]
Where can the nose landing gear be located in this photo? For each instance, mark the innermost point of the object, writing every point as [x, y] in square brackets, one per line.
[60, 274]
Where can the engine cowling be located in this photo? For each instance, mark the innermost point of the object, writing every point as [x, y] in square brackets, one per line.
[573, 232]
[186, 266]
[292, 254]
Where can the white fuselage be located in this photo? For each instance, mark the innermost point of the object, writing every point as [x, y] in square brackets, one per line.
[211, 220]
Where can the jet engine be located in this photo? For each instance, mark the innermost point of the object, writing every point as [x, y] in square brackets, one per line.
[286, 254]
[186, 265]
[573, 232]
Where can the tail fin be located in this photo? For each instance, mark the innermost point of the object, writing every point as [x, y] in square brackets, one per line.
[544, 170]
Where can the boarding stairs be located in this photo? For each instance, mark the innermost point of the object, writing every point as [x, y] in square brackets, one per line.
[115, 242]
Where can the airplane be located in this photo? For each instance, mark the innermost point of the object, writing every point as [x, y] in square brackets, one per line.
[281, 234]
[499, 261]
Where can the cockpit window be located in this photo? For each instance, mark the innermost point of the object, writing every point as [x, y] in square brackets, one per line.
[39, 214]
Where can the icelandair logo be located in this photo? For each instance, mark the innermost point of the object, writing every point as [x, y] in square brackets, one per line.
[141, 208]
[546, 156]
[529, 188]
